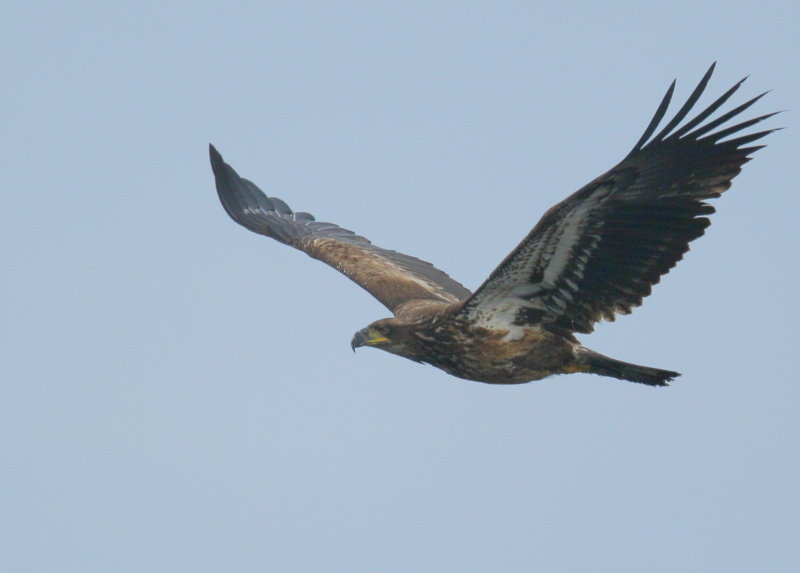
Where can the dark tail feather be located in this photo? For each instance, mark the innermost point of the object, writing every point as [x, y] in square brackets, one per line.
[605, 366]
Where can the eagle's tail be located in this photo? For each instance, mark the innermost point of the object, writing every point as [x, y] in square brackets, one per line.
[605, 366]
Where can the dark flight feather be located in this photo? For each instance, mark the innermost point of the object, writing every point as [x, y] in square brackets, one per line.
[391, 277]
[599, 252]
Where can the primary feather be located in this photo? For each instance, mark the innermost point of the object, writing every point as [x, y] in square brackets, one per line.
[599, 252]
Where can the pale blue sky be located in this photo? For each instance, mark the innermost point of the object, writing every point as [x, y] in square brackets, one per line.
[179, 394]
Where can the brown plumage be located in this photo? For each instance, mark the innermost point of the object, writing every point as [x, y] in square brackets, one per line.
[594, 255]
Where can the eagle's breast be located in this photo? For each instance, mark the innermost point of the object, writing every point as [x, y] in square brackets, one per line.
[489, 355]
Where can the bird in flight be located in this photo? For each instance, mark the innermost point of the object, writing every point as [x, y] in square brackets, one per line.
[592, 256]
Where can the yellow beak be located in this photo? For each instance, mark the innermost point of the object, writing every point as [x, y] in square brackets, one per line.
[367, 337]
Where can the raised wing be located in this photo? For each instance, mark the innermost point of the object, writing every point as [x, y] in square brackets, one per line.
[600, 251]
[391, 277]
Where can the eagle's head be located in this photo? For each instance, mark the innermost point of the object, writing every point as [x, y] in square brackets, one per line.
[389, 334]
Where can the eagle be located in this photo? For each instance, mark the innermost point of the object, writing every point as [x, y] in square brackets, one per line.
[594, 255]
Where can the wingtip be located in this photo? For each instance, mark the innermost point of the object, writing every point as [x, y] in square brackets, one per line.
[709, 73]
[213, 153]
[217, 163]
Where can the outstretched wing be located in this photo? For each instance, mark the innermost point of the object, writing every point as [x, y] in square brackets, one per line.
[600, 251]
[391, 277]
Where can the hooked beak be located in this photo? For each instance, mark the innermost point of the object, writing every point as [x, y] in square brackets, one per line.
[366, 337]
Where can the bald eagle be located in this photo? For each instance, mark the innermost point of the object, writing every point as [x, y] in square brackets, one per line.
[592, 256]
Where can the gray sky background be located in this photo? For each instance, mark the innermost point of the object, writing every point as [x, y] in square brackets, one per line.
[179, 394]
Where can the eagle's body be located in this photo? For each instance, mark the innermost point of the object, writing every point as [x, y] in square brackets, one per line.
[492, 356]
[594, 255]
[437, 334]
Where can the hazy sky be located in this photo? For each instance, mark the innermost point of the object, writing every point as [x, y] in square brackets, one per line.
[179, 394]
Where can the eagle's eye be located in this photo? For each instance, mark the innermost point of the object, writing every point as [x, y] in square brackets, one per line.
[383, 329]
